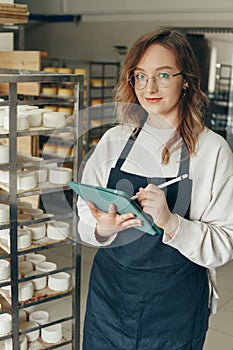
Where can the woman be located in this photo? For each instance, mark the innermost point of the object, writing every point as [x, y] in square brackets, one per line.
[151, 292]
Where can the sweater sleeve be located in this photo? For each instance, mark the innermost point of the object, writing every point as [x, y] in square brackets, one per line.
[208, 241]
[86, 222]
[87, 225]
[96, 172]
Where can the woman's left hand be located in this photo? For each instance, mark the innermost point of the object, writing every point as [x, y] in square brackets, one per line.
[153, 201]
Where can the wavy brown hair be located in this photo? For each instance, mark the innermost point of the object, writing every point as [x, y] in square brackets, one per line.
[191, 106]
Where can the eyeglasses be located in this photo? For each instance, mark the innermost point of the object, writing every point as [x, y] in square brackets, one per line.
[139, 80]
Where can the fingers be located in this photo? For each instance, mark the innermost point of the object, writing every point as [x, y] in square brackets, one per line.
[123, 220]
[112, 219]
[131, 223]
[125, 217]
[151, 188]
[147, 195]
[91, 204]
[112, 209]
[92, 208]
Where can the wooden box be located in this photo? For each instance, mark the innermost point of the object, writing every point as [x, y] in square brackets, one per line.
[22, 60]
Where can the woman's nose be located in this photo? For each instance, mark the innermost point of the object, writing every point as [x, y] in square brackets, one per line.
[152, 84]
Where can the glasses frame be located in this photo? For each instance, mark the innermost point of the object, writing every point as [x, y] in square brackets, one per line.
[155, 79]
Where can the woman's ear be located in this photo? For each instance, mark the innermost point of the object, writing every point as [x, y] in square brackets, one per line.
[185, 84]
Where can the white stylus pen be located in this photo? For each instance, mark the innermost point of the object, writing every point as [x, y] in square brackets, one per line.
[165, 184]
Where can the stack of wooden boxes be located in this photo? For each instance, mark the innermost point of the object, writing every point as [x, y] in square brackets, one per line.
[13, 13]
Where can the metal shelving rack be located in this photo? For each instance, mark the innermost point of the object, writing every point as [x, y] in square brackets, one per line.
[107, 74]
[220, 99]
[101, 115]
[19, 34]
[13, 78]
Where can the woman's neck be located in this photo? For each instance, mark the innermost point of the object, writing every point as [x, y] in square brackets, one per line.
[159, 122]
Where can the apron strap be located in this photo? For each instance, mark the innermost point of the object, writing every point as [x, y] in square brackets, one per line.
[127, 148]
[184, 160]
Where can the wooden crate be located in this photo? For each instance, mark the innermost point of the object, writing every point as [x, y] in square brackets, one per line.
[22, 60]
[24, 144]
[13, 13]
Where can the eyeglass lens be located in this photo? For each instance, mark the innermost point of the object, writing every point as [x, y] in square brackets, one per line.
[139, 81]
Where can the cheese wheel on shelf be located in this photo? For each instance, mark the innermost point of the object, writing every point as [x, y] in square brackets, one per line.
[50, 69]
[64, 70]
[49, 91]
[65, 92]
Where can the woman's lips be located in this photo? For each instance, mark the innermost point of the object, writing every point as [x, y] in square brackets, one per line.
[153, 100]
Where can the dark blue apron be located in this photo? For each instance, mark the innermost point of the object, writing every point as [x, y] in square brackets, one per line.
[143, 294]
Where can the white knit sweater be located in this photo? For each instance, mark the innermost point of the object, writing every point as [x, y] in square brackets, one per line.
[207, 238]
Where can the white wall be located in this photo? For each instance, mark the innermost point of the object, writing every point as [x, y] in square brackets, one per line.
[109, 22]
[84, 41]
[187, 12]
[6, 41]
[224, 45]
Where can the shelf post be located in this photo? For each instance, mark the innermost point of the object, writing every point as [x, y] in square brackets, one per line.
[13, 211]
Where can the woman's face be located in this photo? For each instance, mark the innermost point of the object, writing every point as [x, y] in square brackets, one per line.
[159, 99]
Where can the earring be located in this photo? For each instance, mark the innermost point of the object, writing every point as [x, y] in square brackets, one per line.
[184, 91]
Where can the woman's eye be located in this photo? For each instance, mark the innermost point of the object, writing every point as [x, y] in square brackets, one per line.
[164, 75]
[140, 76]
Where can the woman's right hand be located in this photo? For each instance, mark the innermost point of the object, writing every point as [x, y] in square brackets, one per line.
[112, 222]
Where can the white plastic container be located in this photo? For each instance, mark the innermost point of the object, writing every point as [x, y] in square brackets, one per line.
[34, 117]
[52, 334]
[4, 176]
[39, 282]
[25, 290]
[46, 266]
[59, 175]
[54, 119]
[35, 258]
[4, 212]
[22, 315]
[24, 239]
[23, 108]
[4, 154]
[33, 335]
[22, 122]
[26, 180]
[38, 230]
[39, 316]
[25, 267]
[3, 112]
[41, 173]
[4, 234]
[58, 230]
[4, 269]
[59, 281]
[5, 324]
[33, 212]
[23, 343]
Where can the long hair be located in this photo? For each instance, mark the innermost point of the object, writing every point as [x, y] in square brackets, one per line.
[191, 106]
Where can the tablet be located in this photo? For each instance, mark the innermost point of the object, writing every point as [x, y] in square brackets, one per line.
[102, 197]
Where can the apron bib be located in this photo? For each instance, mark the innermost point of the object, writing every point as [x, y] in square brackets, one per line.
[143, 294]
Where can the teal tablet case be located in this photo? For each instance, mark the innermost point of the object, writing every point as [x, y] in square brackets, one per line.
[102, 197]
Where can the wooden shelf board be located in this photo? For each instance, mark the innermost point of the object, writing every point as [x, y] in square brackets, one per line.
[47, 186]
[42, 294]
[39, 344]
[4, 303]
[35, 244]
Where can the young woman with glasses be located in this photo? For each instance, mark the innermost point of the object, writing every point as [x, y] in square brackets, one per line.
[155, 292]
